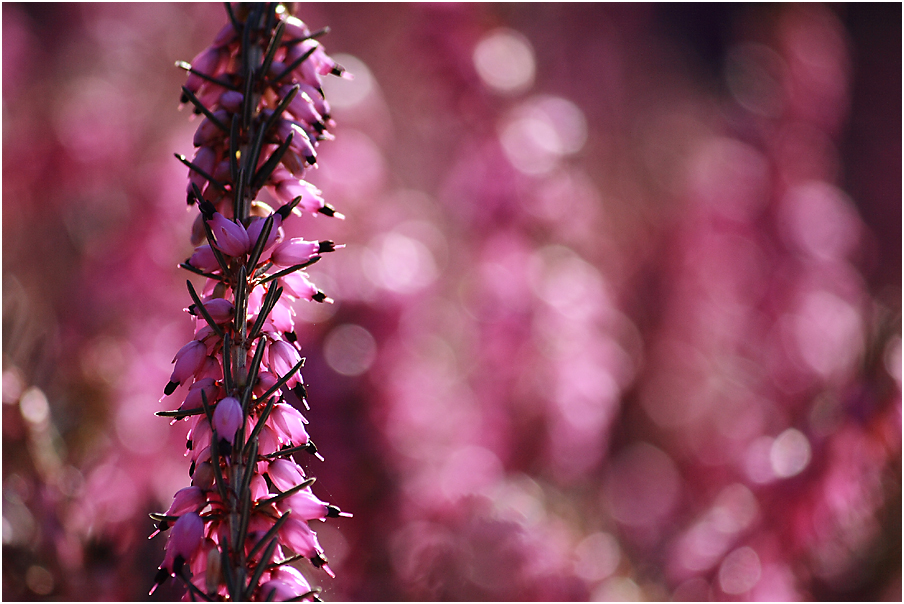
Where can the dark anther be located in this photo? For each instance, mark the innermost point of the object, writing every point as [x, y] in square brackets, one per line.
[184, 98]
[319, 560]
[319, 297]
[326, 246]
[170, 388]
[161, 576]
[311, 447]
[327, 209]
[188, 444]
[178, 563]
[300, 391]
[163, 525]
[225, 447]
[332, 511]
[207, 209]
[191, 469]
[290, 335]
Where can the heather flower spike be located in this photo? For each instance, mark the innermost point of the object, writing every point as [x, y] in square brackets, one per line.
[246, 512]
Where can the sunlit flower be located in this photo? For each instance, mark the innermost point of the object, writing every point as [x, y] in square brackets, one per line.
[238, 370]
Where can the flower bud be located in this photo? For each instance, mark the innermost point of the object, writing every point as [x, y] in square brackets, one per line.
[184, 541]
[204, 259]
[188, 360]
[219, 309]
[227, 417]
[208, 132]
[189, 499]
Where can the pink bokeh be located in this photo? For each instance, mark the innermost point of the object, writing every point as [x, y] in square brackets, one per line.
[618, 317]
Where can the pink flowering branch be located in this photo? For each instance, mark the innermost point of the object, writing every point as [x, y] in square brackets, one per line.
[246, 514]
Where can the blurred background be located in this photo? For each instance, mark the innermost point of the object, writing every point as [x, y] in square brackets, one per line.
[619, 315]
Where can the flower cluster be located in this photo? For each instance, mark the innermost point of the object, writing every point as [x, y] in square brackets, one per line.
[245, 516]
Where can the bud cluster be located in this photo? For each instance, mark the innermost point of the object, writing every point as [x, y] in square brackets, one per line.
[234, 531]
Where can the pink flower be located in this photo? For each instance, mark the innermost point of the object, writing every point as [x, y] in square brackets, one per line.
[207, 62]
[294, 251]
[230, 237]
[193, 399]
[297, 285]
[231, 100]
[286, 583]
[206, 159]
[227, 418]
[209, 132]
[188, 360]
[305, 505]
[204, 259]
[199, 436]
[298, 536]
[283, 358]
[219, 309]
[256, 227]
[184, 541]
[189, 499]
[285, 474]
[204, 475]
[288, 188]
[226, 352]
[281, 318]
[289, 424]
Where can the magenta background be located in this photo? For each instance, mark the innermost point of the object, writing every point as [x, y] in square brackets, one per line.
[602, 349]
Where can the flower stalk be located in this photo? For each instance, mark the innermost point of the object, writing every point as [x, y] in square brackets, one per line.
[246, 515]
